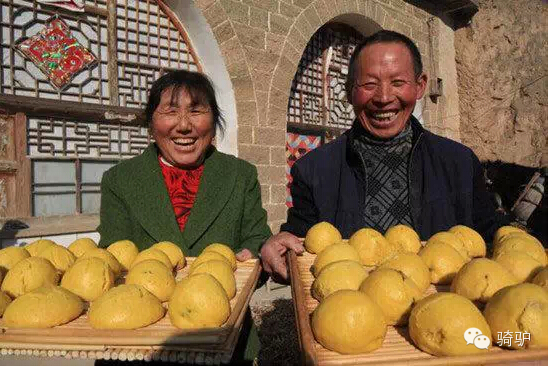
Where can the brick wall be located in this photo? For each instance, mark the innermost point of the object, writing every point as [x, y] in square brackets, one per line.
[262, 42]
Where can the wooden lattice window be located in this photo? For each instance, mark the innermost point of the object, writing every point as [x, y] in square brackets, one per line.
[318, 110]
[146, 41]
[74, 134]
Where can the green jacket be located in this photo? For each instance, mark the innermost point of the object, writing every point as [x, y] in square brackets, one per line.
[135, 205]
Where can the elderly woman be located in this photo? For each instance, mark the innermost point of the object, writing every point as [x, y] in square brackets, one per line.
[181, 189]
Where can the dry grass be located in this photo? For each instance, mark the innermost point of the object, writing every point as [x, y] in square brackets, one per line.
[277, 333]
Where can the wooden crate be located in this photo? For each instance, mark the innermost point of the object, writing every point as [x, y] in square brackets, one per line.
[397, 349]
[159, 341]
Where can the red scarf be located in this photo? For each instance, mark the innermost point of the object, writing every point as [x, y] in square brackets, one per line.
[182, 185]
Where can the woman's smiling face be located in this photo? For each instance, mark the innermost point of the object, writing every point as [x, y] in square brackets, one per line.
[182, 128]
[386, 90]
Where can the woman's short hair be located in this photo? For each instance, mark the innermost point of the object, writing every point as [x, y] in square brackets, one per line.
[383, 36]
[199, 87]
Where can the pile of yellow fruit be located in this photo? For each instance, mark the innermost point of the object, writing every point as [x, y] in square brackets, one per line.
[373, 281]
[44, 284]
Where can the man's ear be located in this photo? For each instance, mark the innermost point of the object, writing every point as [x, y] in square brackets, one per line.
[422, 85]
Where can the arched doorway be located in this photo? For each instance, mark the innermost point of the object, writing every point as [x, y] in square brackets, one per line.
[318, 110]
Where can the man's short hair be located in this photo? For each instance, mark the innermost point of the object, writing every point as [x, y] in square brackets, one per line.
[383, 36]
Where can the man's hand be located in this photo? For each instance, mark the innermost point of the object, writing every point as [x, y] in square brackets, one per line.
[272, 253]
[244, 255]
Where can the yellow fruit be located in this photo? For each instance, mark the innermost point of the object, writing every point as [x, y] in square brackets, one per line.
[349, 322]
[153, 254]
[174, 253]
[437, 325]
[44, 307]
[5, 300]
[10, 256]
[320, 236]
[404, 237]
[442, 260]
[412, 266]
[127, 306]
[125, 251]
[504, 231]
[88, 278]
[223, 250]
[479, 279]
[372, 247]
[37, 246]
[473, 241]
[222, 272]
[337, 252]
[451, 239]
[541, 278]
[519, 263]
[106, 256]
[81, 245]
[344, 274]
[208, 256]
[59, 256]
[518, 309]
[29, 274]
[393, 292]
[198, 301]
[522, 242]
[154, 276]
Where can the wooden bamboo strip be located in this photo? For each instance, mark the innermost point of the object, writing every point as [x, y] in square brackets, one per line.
[163, 356]
[123, 355]
[190, 357]
[208, 360]
[172, 357]
[217, 359]
[181, 357]
[148, 355]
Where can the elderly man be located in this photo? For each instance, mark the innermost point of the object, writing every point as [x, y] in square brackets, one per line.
[387, 169]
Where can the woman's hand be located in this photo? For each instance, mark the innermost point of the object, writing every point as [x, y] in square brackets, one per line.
[272, 253]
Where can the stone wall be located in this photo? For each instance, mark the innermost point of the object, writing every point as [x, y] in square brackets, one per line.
[262, 42]
[502, 72]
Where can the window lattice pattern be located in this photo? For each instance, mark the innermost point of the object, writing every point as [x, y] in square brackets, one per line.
[57, 138]
[318, 90]
[148, 42]
[69, 159]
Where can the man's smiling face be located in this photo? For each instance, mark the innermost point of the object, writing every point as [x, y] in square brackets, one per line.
[386, 89]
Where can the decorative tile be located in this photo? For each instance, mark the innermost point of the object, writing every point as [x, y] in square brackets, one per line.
[56, 52]
[296, 147]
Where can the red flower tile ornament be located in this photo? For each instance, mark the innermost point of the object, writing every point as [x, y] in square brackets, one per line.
[56, 52]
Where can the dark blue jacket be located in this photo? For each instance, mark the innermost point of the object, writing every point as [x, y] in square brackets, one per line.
[445, 184]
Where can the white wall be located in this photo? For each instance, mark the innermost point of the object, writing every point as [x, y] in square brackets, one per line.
[209, 55]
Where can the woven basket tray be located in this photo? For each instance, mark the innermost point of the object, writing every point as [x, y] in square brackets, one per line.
[397, 349]
[159, 342]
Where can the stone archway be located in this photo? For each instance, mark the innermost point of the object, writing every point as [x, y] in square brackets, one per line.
[262, 42]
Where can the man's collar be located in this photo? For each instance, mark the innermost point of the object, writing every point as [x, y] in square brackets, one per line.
[357, 129]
